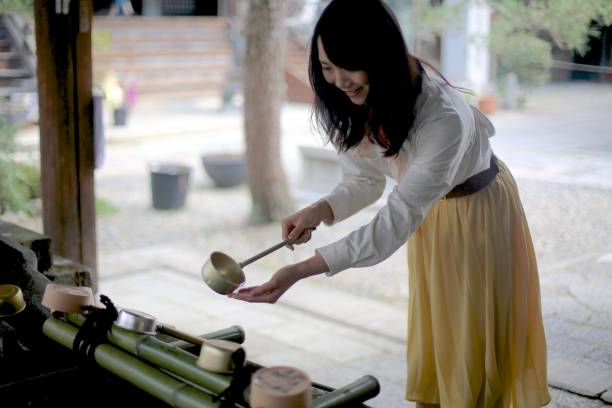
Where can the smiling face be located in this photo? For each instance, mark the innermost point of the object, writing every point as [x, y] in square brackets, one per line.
[354, 84]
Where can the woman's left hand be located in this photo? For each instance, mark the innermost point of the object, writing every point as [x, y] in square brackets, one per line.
[270, 291]
[282, 280]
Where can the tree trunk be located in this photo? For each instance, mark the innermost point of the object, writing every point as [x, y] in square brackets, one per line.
[264, 91]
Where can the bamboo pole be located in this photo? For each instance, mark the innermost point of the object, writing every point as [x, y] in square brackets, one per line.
[356, 392]
[182, 363]
[233, 333]
[133, 370]
[164, 355]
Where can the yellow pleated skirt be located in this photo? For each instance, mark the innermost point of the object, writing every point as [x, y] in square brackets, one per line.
[475, 331]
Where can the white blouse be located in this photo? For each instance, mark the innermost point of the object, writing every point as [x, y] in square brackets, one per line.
[448, 144]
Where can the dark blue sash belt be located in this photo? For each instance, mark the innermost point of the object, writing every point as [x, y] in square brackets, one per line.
[475, 183]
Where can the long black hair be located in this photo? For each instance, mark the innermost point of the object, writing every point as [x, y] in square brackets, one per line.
[364, 35]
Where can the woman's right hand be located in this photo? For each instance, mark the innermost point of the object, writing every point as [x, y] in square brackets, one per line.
[299, 226]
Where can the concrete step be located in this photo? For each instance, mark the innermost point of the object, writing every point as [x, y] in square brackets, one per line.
[9, 60]
[166, 55]
[11, 73]
[206, 82]
[133, 36]
[156, 50]
[5, 45]
[162, 76]
[165, 65]
[158, 23]
[11, 90]
[8, 55]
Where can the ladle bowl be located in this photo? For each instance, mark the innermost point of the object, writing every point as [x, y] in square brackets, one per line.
[222, 274]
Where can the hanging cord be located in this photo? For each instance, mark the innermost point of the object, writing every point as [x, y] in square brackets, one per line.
[93, 331]
[234, 394]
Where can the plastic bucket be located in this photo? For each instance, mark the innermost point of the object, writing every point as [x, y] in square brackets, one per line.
[169, 185]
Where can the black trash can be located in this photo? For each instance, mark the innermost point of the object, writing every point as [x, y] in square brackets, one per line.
[169, 185]
[120, 116]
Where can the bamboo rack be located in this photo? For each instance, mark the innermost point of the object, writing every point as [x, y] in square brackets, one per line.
[125, 354]
[133, 370]
[164, 355]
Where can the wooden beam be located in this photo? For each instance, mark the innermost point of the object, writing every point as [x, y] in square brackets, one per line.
[64, 72]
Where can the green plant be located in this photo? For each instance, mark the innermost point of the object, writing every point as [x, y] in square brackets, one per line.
[522, 53]
[105, 208]
[19, 182]
[16, 6]
[523, 33]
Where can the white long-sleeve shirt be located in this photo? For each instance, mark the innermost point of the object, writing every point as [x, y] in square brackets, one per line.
[448, 143]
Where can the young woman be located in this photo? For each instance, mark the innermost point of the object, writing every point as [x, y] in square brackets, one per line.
[475, 332]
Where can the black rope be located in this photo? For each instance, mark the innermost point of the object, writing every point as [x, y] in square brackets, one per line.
[234, 394]
[93, 331]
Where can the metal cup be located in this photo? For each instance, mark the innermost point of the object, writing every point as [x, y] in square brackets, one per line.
[136, 321]
[11, 300]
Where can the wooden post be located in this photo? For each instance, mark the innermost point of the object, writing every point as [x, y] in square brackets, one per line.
[64, 71]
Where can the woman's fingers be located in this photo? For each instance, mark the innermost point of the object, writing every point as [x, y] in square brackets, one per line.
[267, 298]
[246, 290]
[257, 297]
[264, 288]
[286, 228]
[257, 290]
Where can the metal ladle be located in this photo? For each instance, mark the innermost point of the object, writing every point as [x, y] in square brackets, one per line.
[140, 322]
[224, 275]
[215, 354]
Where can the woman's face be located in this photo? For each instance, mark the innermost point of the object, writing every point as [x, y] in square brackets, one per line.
[353, 83]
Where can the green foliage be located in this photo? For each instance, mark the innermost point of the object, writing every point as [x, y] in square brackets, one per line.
[566, 22]
[105, 208]
[419, 18]
[522, 30]
[29, 177]
[522, 53]
[16, 6]
[19, 182]
[100, 39]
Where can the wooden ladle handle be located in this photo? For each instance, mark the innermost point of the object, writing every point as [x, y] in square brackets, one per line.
[271, 249]
[264, 253]
[162, 328]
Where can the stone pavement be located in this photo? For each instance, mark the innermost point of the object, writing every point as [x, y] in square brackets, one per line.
[339, 329]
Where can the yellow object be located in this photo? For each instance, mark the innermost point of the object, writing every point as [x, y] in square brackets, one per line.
[113, 92]
[475, 331]
[216, 356]
[11, 300]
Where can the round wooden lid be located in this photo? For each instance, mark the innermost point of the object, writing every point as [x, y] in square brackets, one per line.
[280, 387]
